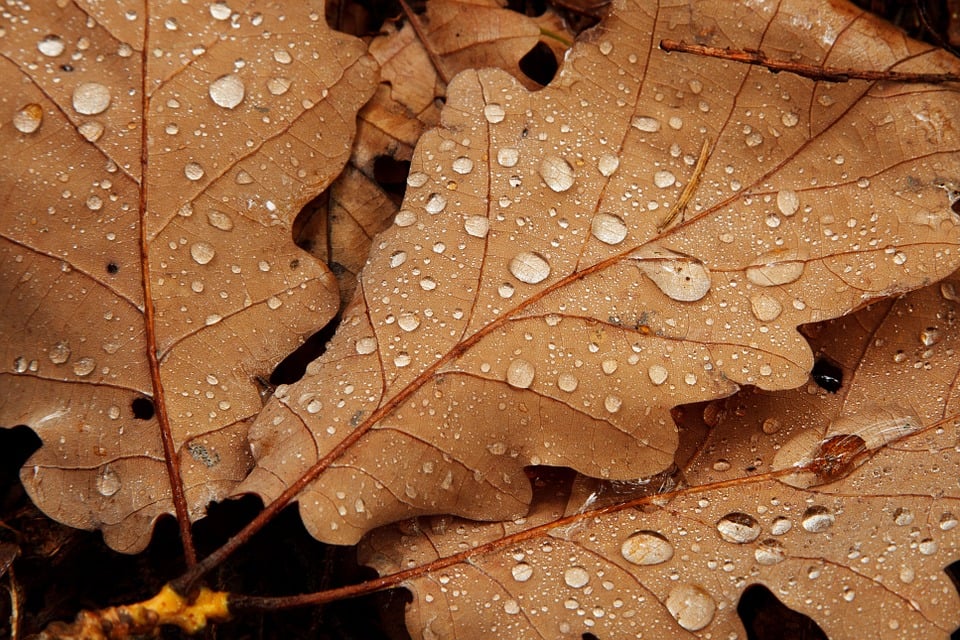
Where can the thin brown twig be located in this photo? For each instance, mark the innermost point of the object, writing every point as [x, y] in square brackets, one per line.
[418, 29]
[814, 72]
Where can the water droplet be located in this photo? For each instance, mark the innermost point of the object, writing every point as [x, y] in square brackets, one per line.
[193, 171]
[366, 345]
[606, 47]
[219, 220]
[722, 465]
[397, 258]
[28, 119]
[463, 165]
[770, 426]
[612, 403]
[51, 46]
[428, 284]
[664, 179]
[506, 290]
[91, 130]
[220, 11]
[817, 519]
[435, 203]
[780, 526]
[402, 359]
[576, 577]
[788, 202]
[282, 56]
[520, 373]
[108, 481]
[658, 374]
[899, 257]
[522, 572]
[529, 267]
[607, 164]
[20, 365]
[608, 228]
[227, 91]
[738, 528]
[691, 606]
[511, 607]
[202, 252]
[646, 124]
[949, 291]
[789, 119]
[927, 547]
[476, 226]
[557, 173]
[508, 157]
[681, 278]
[765, 307]
[84, 366]
[930, 336]
[567, 382]
[494, 113]
[279, 86]
[91, 98]
[59, 353]
[769, 552]
[408, 321]
[646, 548]
[947, 522]
[775, 269]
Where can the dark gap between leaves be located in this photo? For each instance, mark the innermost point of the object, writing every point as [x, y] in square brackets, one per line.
[540, 64]
[391, 175]
[292, 368]
[766, 618]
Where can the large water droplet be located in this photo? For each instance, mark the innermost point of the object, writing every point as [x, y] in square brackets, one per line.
[681, 278]
[366, 345]
[765, 307]
[508, 157]
[691, 606]
[608, 228]
[193, 171]
[664, 179]
[435, 203]
[658, 374]
[576, 577]
[51, 46]
[202, 252]
[494, 113]
[817, 519]
[788, 202]
[769, 552]
[773, 269]
[108, 481]
[227, 91]
[28, 119]
[91, 98]
[529, 267]
[646, 548]
[476, 226]
[520, 373]
[59, 353]
[279, 86]
[646, 124]
[408, 321]
[463, 165]
[521, 572]
[738, 528]
[557, 173]
[84, 366]
[567, 382]
[91, 130]
[608, 164]
[219, 220]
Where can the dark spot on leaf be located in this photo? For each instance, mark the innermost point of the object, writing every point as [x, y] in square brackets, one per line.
[142, 408]
[112, 268]
[540, 64]
[827, 375]
[66, 67]
[295, 263]
[766, 618]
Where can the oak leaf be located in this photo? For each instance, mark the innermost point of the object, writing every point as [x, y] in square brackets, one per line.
[858, 538]
[149, 185]
[649, 230]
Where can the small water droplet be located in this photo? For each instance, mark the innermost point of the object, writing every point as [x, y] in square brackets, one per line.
[84, 366]
[739, 528]
[664, 179]
[397, 258]
[279, 86]
[202, 252]
[59, 353]
[315, 405]
[428, 284]
[408, 321]
[576, 577]
[366, 345]
[646, 548]
[511, 607]
[193, 171]
[435, 203]
[506, 290]
[646, 124]
[658, 374]
[557, 173]
[28, 118]
[930, 336]
[51, 46]
[722, 465]
[567, 382]
[521, 572]
[817, 519]
[681, 278]
[947, 522]
[227, 91]
[529, 267]
[780, 525]
[91, 98]
[769, 552]
[91, 130]
[20, 364]
[520, 373]
[612, 403]
[606, 47]
[219, 220]
[402, 359]
[927, 547]
[494, 113]
[770, 426]
[220, 11]
[282, 56]
[608, 228]
[899, 257]
[765, 307]
[108, 481]
[476, 226]
[691, 606]
[607, 164]
[789, 119]
[463, 165]
[788, 202]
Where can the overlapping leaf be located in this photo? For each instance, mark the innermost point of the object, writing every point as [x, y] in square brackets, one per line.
[858, 539]
[154, 157]
[647, 231]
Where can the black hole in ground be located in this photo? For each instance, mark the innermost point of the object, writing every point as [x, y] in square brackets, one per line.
[112, 268]
[294, 365]
[540, 65]
[766, 618]
[142, 408]
[827, 375]
[391, 174]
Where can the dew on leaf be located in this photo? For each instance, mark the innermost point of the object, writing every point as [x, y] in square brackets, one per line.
[28, 118]
[947, 522]
[567, 382]
[607, 164]
[84, 366]
[576, 577]
[463, 165]
[91, 98]
[494, 113]
[193, 171]
[282, 56]
[506, 290]
[739, 528]
[608, 228]
[927, 547]
[930, 336]
[556, 173]
[679, 277]
[202, 252]
[769, 552]
[408, 321]
[780, 526]
[51, 46]
[59, 353]
[108, 481]
[366, 345]
[658, 374]
[691, 606]
[508, 157]
[278, 86]
[520, 373]
[788, 202]
[775, 269]
[220, 11]
[219, 220]
[476, 226]
[765, 307]
[646, 548]
[511, 607]
[817, 519]
[227, 91]
[646, 124]
[664, 179]
[612, 403]
[91, 130]
[435, 203]
[529, 267]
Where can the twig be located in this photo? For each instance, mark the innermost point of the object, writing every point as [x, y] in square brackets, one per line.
[425, 40]
[681, 204]
[828, 74]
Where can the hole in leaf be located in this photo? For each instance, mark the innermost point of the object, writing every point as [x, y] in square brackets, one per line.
[112, 268]
[294, 365]
[531, 8]
[310, 228]
[16, 445]
[766, 618]
[955, 207]
[827, 375]
[142, 408]
[391, 175]
[588, 636]
[540, 64]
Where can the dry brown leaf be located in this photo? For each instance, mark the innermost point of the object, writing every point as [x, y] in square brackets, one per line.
[860, 546]
[525, 308]
[242, 125]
